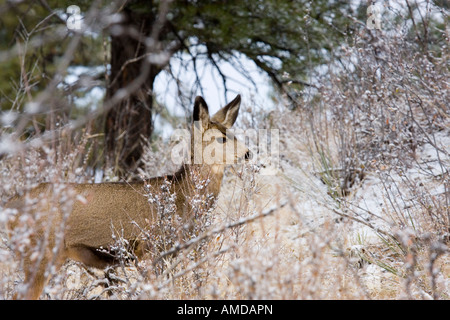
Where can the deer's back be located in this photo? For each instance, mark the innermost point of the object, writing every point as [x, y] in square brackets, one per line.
[89, 213]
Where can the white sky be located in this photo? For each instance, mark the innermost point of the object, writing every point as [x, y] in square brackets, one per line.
[212, 84]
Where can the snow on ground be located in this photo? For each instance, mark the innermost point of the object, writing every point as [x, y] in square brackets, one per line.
[377, 203]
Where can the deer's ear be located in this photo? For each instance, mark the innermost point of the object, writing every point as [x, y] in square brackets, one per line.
[201, 112]
[228, 114]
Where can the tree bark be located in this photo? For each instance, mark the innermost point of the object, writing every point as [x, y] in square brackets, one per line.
[131, 119]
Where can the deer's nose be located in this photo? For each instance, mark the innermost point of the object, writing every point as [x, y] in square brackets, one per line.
[248, 155]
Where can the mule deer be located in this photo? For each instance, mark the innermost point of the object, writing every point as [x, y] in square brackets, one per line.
[96, 210]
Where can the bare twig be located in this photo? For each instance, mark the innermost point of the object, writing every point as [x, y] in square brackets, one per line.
[218, 230]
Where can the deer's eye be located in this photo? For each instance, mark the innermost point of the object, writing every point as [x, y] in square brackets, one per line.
[221, 139]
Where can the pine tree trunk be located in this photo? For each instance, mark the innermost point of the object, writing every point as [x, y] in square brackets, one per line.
[131, 119]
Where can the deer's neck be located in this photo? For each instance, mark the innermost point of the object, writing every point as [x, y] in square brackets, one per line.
[204, 179]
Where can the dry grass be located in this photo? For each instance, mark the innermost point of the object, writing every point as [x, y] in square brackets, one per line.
[278, 233]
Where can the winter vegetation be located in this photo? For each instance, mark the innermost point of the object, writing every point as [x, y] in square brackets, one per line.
[355, 203]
